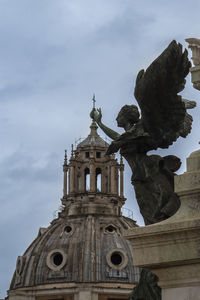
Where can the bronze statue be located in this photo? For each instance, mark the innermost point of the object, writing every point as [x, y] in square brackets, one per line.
[163, 119]
[147, 288]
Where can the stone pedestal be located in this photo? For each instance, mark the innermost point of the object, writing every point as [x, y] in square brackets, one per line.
[171, 249]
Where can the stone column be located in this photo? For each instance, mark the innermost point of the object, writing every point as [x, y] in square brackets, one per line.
[104, 180]
[194, 45]
[65, 170]
[121, 181]
[121, 168]
[71, 180]
[82, 181]
[117, 180]
[109, 180]
[114, 179]
[92, 178]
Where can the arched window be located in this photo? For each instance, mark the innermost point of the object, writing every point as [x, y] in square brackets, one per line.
[87, 179]
[98, 180]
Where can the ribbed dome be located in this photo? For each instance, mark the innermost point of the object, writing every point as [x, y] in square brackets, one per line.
[93, 138]
[78, 249]
[93, 141]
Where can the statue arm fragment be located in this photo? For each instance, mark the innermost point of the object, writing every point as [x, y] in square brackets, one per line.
[96, 115]
[109, 132]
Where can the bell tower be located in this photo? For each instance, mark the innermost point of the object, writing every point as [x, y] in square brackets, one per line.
[93, 181]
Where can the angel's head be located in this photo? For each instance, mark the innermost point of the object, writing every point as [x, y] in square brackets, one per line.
[128, 116]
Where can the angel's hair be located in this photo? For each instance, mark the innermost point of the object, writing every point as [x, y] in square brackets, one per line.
[130, 113]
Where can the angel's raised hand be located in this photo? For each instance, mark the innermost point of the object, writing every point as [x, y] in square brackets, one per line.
[98, 116]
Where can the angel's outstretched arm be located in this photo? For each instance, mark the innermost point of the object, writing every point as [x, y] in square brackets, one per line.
[109, 132]
[96, 115]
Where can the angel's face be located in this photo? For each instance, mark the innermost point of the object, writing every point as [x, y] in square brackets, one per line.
[121, 121]
[127, 116]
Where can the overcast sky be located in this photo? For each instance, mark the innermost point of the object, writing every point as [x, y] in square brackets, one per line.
[54, 55]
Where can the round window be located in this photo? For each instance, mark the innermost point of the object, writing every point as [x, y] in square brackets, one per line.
[68, 229]
[117, 259]
[56, 259]
[110, 229]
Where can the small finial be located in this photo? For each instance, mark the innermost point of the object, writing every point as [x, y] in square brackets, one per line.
[94, 100]
[93, 112]
[72, 151]
[65, 158]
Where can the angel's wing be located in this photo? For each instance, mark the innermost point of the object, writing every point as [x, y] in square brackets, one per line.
[156, 91]
[132, 142]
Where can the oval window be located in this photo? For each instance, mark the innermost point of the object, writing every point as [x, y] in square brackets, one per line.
[68, 229]
[116, 258]
[110, 229]
[57, 259]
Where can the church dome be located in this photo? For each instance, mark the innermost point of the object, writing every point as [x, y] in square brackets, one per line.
[93, 139]
[84, 247]
[78, 249]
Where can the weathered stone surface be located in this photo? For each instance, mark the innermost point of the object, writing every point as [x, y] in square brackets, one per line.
[194, 44]
[170, 248]
[183, 293]
[195, 73]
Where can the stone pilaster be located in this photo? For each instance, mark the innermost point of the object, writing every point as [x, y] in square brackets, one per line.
[71, 180]
[92, 177]
[113, 179]
[65, 181]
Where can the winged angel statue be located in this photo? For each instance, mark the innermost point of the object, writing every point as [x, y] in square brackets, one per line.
[163, 119]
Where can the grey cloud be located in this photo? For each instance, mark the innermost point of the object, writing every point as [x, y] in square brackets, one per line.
[20, 166]
[54, 55]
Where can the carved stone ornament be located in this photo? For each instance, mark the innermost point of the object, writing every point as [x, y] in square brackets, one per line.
[20, 265]
[194, 45]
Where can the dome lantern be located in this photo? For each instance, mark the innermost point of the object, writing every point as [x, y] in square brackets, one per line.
[94, 180]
